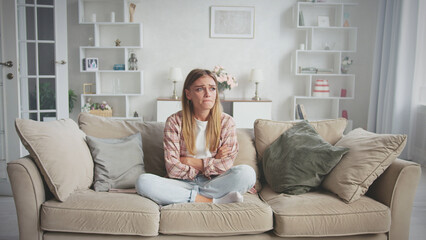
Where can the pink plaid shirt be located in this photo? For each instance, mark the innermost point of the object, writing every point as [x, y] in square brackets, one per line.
[174, 148]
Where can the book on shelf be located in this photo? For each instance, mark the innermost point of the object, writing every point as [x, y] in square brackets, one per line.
[324, 70]
[300, 112]
[315, 70]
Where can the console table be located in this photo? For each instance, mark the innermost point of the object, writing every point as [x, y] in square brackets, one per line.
[244, 111]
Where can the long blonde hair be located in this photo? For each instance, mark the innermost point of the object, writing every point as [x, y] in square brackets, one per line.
[188, 121]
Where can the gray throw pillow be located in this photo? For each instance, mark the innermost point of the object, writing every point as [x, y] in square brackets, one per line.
[118, 162]
[299, 159]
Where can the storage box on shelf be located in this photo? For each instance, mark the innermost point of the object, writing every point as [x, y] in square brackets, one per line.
[114, 39]
[320, 56]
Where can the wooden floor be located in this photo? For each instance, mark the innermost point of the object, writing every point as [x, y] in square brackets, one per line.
[9, 225]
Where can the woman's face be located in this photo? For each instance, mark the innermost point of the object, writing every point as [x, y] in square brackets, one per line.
[202, 93]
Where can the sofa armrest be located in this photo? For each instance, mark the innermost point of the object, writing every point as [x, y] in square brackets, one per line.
[28, 193]
[396, 188]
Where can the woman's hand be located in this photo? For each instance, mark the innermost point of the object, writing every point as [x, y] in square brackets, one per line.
[193, 162]
[223, 151]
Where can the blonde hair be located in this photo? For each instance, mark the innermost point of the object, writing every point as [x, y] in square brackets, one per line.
[188, 122]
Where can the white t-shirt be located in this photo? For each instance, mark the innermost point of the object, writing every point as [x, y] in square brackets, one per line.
[200, 142]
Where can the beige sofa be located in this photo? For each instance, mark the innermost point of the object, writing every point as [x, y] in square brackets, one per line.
[383, 213]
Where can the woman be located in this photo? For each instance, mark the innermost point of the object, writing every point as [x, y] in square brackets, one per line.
[200, 146]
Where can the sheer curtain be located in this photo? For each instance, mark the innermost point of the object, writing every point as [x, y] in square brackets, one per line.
[398, 72]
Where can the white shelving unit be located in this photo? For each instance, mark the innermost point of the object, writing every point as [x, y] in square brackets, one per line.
[113, 86]
[325, 47]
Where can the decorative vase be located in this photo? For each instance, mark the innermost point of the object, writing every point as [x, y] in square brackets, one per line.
[222, 94]
[344, 69]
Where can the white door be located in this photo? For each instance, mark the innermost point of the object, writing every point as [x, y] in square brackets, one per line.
[34, 38]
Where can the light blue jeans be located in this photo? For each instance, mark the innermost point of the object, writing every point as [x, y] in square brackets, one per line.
[164, 191]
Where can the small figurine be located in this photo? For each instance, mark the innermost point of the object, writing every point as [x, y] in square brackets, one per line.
[133, 62]
[135, 114]
[346, 17]
[117, 42]
[132, 8]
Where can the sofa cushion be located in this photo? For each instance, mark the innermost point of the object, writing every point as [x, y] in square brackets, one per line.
[247, 152]
[152, 137]
[369, 156]
[267, 131]
[60, 151]
[102, 213]
[118, 161]
[205, 219]
[321, 214]
[299, 159]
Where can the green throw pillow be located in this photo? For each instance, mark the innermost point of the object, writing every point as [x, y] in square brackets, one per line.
[299, 159]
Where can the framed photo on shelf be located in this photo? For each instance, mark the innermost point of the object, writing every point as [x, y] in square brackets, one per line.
[91, 64]
[231, 22]
[323, 21]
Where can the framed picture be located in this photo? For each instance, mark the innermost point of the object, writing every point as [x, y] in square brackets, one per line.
[323, 21]
[91, 64]
[231, 22]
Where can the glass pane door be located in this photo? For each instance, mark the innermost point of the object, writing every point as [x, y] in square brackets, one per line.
[38, 82]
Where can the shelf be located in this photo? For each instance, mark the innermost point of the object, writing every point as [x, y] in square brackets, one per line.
[112, 71]
[322, 98]
[322, 4]
[111, 95]
[335, 11]
[112, 47]
[102, 9]
[111, 23]
[116, 87]
[326, 28]
[325, 47]
[326, 74]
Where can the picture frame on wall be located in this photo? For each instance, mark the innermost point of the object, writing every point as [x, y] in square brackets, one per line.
[323, 21]
[231, 22]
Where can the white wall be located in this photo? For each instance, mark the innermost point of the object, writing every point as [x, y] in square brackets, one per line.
[176, 33]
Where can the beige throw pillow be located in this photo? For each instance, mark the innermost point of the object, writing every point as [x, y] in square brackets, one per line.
[60, 152]
[267, 131]
[369, 156]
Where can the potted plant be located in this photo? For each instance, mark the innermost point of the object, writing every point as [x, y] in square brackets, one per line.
[72, 97]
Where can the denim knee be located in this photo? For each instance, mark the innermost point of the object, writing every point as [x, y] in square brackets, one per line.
[246, 175]
[144, 186]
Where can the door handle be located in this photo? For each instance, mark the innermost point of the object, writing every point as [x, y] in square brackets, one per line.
[7, 64]
[61, 62]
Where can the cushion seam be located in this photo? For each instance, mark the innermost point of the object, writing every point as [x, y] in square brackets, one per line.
[338, 214]
[329, 235]
[97, 210]
[239, 232]
[228, 210]
[94, 232]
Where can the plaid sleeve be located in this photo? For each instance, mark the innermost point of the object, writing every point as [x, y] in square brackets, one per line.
[213, 166]
[172, 151]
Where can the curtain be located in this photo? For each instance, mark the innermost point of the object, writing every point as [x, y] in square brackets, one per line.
[394, 97]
